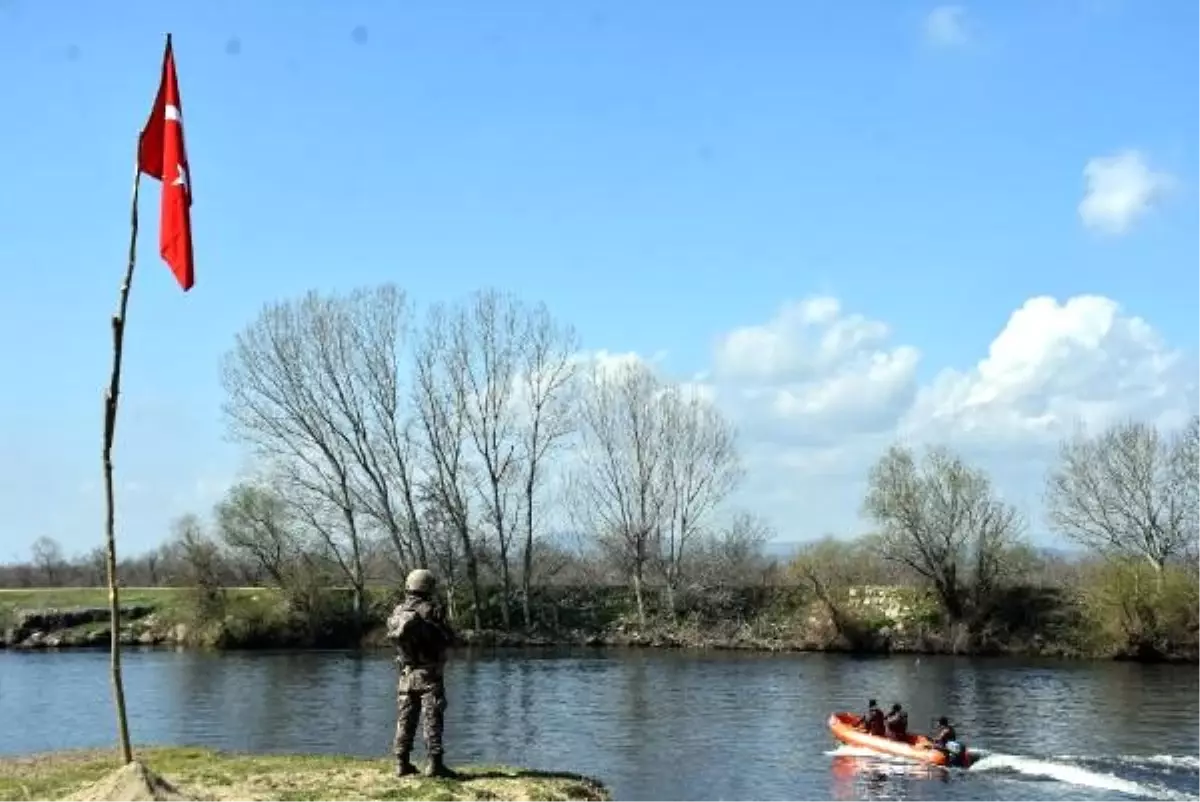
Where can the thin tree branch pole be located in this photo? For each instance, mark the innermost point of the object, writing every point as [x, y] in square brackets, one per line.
[111, 400]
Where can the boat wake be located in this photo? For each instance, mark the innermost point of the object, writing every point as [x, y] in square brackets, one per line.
[1136, 776]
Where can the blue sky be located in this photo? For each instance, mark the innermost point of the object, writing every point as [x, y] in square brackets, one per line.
[659, 173]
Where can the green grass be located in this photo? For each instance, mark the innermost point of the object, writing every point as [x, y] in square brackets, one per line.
[170, 604]
[45, 598]
[42, 598]
[207, 774]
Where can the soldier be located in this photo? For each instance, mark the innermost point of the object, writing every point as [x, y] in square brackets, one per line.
[418, 628]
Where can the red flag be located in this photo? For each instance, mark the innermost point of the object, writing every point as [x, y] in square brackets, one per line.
[161, 154]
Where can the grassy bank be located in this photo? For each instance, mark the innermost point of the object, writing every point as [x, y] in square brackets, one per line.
[206, 774]
[248, 618]
[873, 619]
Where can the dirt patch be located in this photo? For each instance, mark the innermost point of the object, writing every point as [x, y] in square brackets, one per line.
[377, 782]
[133, 782]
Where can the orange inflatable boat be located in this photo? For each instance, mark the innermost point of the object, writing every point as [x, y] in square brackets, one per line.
[844, 727]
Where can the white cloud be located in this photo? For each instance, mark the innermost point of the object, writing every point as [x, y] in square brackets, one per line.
[945, 26]
[1053, 367]
[1120, 189]
[818, 393]
[814, 372]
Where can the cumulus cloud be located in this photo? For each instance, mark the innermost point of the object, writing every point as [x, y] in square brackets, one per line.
[1120, 189]
[818, 392]
[945, 26]
[1053, 367]
[814, 373]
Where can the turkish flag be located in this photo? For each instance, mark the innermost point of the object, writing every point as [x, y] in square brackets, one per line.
[161, 154]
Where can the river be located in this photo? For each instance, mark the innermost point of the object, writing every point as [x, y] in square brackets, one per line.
[651, 724]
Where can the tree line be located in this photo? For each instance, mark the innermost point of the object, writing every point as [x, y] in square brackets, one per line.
[1127, 495]
[474, 440]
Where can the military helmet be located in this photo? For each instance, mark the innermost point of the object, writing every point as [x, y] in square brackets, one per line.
[420, 581]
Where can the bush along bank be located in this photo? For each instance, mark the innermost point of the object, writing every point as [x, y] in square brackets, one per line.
[867, 619]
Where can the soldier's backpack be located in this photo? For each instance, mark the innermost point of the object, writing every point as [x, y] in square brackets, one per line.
[400, 623]
[407, 624]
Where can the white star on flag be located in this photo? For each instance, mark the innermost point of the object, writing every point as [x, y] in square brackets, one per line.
[181, 179]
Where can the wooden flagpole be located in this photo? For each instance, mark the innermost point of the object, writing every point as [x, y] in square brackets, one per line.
[111, 400]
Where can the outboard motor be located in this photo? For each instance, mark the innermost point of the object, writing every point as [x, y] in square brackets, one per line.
[957, 753]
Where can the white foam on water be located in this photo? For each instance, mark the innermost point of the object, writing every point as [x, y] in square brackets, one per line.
[1072, 775]
[854, 751]
[1173, 761]
[1168, 761]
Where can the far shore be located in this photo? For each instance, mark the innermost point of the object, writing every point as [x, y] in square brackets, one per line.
[78, 618]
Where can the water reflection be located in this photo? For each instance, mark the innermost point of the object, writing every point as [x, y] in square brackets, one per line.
[528, 725]
[857, 777]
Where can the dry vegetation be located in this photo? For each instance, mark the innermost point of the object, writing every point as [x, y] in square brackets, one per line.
[204, 774]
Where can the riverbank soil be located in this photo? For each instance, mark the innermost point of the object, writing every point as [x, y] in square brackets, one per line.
[187, 773]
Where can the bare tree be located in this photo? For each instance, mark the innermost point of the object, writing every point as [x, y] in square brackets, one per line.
[282, 390]
[621, 487]
[702, 467]
[324, 507]
[255, 522]
[384, 326]
[152, 559]
[486, 342]
[941, 520]
[441, 404]
[733, 554]
[1131, 491]
[201, 560]
[96, 565]
[357, 342]
[48, 558]
[547, 371]
[445, 552]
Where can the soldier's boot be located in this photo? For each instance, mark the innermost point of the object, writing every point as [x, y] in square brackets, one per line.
[437, 768]
[404, 766]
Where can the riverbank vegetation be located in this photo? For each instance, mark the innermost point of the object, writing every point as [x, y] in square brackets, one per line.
[189, 773]
[564, 499]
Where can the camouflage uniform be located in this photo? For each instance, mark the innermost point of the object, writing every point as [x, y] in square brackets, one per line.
[418, 628]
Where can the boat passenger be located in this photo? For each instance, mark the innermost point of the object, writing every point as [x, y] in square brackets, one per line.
[873, 722]
[897, 723]
[944, 734]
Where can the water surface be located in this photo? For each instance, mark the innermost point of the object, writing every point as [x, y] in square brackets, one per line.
[651, 724]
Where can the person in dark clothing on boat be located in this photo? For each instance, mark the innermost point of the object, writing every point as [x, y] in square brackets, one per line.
[897, 723]
[873, 721]
[944, 734]
[946, 739]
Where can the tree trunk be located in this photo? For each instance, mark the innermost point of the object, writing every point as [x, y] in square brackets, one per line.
[472, 577]
[527, 566]
[505, 590]
[356, 581]
[637, 593]
[671, 595]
